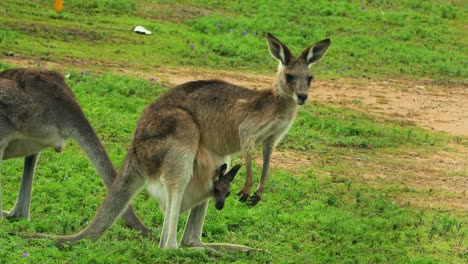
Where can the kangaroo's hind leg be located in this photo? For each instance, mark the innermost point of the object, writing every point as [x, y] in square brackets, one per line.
[121, 193]
[193, 230]
[23, 202]
[177, 173]
[2, 149]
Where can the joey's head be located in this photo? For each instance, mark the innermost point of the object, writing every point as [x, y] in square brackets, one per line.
[222, 186]
[294, 77]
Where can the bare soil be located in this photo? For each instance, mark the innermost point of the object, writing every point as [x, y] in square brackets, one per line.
[437, 180]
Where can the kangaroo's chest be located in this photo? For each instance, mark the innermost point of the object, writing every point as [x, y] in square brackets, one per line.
[274, 129]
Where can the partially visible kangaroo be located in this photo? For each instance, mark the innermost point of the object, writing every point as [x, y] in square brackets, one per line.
[192, 129]
[38, 110]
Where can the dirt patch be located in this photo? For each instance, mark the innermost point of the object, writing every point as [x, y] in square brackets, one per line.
[442, 108]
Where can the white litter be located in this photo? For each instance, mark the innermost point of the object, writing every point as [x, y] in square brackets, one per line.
[141, 30]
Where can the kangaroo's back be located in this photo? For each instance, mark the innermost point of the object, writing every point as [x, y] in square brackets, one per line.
[38, 98]
[219, 109]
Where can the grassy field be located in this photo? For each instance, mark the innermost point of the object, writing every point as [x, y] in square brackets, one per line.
[319, 212]
[370, 38]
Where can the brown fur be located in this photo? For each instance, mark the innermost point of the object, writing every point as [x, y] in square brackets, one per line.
[38, 110]
[185, 134]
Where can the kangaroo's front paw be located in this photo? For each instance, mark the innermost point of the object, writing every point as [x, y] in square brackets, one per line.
[243, 197]
[253, 200]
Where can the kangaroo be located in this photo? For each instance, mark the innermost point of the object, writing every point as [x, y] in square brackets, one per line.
[191, 129]
[266, 116]
[38, 110]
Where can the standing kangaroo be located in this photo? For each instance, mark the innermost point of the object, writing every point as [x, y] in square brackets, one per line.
[193, 128]
[38, 110]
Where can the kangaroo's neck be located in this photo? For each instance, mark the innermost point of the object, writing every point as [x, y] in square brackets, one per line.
[278, 90]
[286, 106]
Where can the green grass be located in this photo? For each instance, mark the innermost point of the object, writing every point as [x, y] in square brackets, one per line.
[308, 217]
[319, 212]
[370, 39]
[323, 125]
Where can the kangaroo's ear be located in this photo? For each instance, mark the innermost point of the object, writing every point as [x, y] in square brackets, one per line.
[315, 53]
[278, 50]
[232, 173]
[29, 78]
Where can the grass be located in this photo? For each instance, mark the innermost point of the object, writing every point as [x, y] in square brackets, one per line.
[320, 125]
[321, 211]
[308, 217]
[370, 39]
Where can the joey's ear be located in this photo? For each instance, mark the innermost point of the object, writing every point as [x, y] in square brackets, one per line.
[221, 170]
[232, 173]
[315, 53]
[278, 50]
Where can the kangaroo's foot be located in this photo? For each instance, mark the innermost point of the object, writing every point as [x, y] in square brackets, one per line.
[210, 251]
[223, 247]
[65, 241]
[18, 212]
[12, 216]
[133, 221]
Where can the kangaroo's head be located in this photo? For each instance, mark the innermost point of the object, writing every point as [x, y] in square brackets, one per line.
[294, 77]
[222, 186]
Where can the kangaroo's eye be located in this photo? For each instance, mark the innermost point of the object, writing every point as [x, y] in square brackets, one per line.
[309, 79]
[289, 78]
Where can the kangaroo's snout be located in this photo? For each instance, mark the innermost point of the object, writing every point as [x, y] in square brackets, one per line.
[219, 205]
[301, 99]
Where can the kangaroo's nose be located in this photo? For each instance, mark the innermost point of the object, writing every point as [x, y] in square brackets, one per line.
[301, 99]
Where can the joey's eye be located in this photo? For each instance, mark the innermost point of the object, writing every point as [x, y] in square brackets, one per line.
[310, 78]
[289, 78]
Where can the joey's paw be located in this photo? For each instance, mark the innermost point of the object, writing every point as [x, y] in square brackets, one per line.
[243, 197]
[253, 200]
